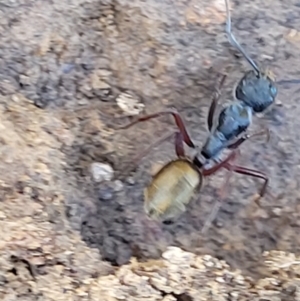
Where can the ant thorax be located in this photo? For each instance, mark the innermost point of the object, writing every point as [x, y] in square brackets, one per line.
[233, 120]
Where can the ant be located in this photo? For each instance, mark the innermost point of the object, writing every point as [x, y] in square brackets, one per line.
[172, 188]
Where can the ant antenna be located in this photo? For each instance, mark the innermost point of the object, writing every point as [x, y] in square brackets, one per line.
[234, 42]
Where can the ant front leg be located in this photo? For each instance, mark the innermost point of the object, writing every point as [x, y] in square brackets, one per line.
[214, 103]
[241, 140]
[178, 120]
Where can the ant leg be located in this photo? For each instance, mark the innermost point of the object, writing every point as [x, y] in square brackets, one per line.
[136, 159]
[288, 81]
[145, 152]
[234, 42]
[178, 120]
[253, 173]
[178, 148]
[217, 206]
[241, 140]
[223, 164]
[214, 103]
[179, 145]
[241, 170]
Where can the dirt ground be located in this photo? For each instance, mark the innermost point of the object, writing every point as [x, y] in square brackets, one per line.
[62, 66]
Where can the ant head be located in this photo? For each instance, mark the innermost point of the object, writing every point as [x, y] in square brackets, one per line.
[257, 91]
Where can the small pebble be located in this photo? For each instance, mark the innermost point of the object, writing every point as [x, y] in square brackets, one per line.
[118, 185]
[240, 279]
[219, 265]
[27, 190]
[220, 280]
[82, 102]
[209, 264]
[278, 103]
[234, 295]
[15, 98]
[2, 216]
[130, 181]
[293, 32]
[219, 224]
[274, 282]
[105, 193]
[67, 68]
[291, 290]
[207, 258]
[101, 172]
[129, 104]
[277, 211]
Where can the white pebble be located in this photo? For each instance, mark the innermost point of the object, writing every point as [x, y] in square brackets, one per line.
[207, 257]
[220, 280]
[129, 104]
[118, 185]
[101, 172]
[234, 295]
[209, 264]
[277, 211]
[240, 279]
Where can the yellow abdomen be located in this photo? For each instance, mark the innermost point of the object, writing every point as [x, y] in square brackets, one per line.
[171, 189]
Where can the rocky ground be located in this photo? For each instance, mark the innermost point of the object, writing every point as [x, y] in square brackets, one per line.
[70, 71]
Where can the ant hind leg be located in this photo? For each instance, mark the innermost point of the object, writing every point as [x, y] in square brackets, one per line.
[146, 151]
[178, 120]
[179, 148]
